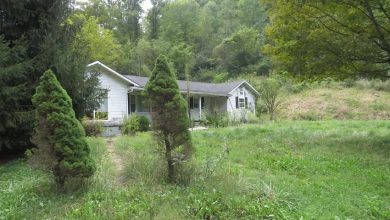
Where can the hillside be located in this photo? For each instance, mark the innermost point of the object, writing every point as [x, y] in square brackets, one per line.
[338, 103]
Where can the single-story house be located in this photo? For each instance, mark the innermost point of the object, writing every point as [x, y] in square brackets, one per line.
[124, 96]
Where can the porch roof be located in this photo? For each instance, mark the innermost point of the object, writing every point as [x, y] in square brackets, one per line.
[214, 89]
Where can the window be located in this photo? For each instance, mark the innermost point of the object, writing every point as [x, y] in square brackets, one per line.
[102, 112]
[236, 101]
[142, 104]
[194, 102]
[241, 102]
[103, 105]
[242, 92]
[131, 103]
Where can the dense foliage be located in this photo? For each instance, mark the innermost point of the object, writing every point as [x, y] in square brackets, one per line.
[60, 138]
[34, 36]
[169, 115]
[317, 39]
[22, 60]
[192, 34]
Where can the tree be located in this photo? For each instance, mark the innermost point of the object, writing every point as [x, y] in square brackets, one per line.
[128, 16]
[15, 114]
[153, 18]
[97, 42]
[167, 103]
[182, 59]
[26, 28]
[269, 90]
[340, 39]
[241, 53]
[179, 22]
[122, 17]
[58, 134]
[138, 59]
[82, 42]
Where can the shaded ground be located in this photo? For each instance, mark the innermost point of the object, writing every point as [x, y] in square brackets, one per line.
[8, 157]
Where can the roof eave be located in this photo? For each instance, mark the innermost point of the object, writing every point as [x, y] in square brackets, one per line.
[191, 92]
[249, 85]
[112, 71]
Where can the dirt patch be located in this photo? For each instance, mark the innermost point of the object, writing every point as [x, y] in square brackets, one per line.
[119, 167]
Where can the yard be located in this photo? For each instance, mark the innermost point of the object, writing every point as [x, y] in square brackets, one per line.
[286, 170]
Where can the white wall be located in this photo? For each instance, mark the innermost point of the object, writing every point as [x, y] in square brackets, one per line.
[231, 102]
[117, 95]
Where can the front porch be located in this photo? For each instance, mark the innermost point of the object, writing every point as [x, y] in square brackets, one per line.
[199, 105]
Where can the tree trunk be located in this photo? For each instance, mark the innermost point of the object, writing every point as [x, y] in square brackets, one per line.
[60, 181]
[168, 157]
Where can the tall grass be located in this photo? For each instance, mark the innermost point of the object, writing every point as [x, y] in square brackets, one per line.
[290, 170]
[27, 193]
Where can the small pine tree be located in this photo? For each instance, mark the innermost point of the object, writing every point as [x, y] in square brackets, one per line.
[169, 114]
[59, 136]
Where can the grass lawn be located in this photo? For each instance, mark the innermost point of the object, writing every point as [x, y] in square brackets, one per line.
[286, 170]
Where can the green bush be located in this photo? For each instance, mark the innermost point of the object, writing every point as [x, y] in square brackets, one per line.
[380, 85]
[144, 123]
[92, 128]
[349, 83]
[101, 115]
[217, 120]
[134, 124]
[131, 125]
[261, 108]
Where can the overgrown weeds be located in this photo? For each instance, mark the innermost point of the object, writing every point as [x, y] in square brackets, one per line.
[287, 170]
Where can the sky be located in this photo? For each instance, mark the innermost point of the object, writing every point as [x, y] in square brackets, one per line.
[146, 5]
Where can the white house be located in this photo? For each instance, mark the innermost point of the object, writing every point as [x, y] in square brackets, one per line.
[124, 96]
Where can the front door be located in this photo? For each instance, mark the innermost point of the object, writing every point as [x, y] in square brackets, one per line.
[196, 106]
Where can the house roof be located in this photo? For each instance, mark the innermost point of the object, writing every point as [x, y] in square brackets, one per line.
[221, 89]
[218, 89]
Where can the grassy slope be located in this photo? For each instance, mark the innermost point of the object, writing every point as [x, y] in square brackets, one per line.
[317, 170]
[337, 103]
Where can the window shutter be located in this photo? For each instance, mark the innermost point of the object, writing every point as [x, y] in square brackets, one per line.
[236, 101]
[202, 102]
[246, 102]
[191, 102]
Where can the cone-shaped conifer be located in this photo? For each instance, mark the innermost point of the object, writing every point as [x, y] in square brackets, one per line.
[58, 133]
[169, 114]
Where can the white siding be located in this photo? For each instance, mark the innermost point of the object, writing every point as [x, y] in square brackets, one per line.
[117, 95]
[231, 102]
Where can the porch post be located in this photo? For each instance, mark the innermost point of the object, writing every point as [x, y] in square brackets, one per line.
[200, 108]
